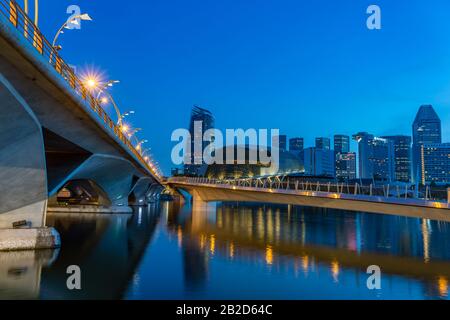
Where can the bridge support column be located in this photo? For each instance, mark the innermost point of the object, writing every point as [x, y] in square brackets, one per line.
[448, 195]
[198, 204]
[23, 176]
[140, 191]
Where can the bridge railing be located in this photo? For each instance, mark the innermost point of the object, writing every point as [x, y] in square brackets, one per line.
[339, 188]
[20, 20]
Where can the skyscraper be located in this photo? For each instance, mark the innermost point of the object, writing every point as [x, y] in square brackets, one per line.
[296, 144]
[402, 157]
[341, 143]
[426, 130]
[346, 166]
[323, 143]
[196, 157]
[435, 163]
[319, 162]
[376, 157]
[282, 142]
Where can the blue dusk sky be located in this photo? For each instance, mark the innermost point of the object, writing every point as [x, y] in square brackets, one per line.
[310, 68]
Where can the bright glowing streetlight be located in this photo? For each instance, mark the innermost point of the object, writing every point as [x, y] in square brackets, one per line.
[125, 128]
[92, 83]
[104, 100]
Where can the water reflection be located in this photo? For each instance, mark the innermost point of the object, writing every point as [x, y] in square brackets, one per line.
[20, 273]
[107, 248]
[414, 259]
[235, 251]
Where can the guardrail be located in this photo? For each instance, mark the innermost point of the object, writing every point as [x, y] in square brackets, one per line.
[315, 188]
[20, 20]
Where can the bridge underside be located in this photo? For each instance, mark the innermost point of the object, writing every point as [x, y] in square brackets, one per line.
[36, 164]
[49, 146]
[203, 194]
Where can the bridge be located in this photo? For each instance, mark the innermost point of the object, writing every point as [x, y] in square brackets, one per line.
[55, 137]
[333, 196]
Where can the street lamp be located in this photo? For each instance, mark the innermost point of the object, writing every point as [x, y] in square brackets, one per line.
[124, 115]
[84, 17]
[109, 97]
[133, 132]
[140, 143]
[107, 85]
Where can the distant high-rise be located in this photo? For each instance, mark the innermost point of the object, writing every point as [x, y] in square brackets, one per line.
[323, 143]
[346, 166]
[402, 157]
[196, 157]
[319, 162]
[282, 142]
[376, 157]
[341, 143]
[296, 144]
[435, 163]
[426, 130]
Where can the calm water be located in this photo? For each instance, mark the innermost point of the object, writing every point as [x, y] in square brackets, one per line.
[237, 252]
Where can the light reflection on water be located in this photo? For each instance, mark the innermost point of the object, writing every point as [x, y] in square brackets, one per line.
[235, 251]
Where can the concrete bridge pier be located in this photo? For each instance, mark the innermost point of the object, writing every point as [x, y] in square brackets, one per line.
[448, 195]
[113, 176]
[23, 180]
[139, 192]
[198, 202]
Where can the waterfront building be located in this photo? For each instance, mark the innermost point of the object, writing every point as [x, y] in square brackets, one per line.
[346, 166]
[376, 157]
[435, 163]
[341, 143]
[402, 157]
[282, 142]
[319, 162]
[426, 130]
[197, 166]
[323, 143]
[296, 145]
[288, 163]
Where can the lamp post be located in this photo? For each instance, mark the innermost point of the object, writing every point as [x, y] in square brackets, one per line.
[133, 132]
[113, 102]
[126, 114]
[107, 85]
[110, 98]
[36, 12]
[140, 143]
[84, 17]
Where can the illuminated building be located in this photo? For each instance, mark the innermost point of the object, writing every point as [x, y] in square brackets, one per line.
[426, 130]
[435, 163]
[376, 157]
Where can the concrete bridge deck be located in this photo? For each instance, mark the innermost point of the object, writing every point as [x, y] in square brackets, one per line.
[204, 190]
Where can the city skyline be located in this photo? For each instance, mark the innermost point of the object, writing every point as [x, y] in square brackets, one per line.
[380, 158]
[299, 159]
